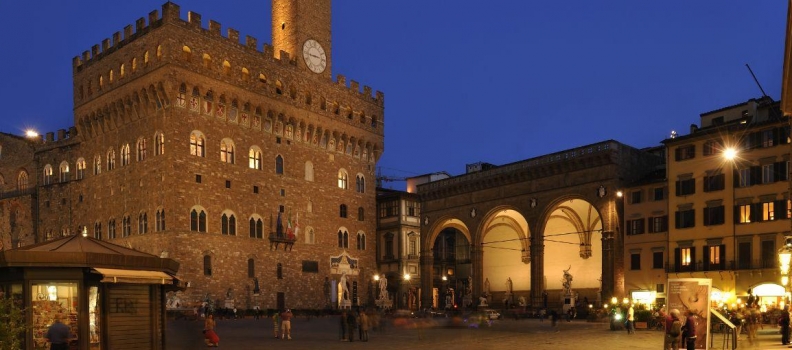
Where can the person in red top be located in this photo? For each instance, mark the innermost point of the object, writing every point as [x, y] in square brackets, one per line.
[286, 324]
[689, 330]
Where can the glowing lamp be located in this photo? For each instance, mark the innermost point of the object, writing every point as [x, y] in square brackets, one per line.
[784, 256]
[729, 153]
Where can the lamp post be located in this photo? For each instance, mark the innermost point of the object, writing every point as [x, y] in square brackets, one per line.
[784, 257]
[729, 155]
[407, 278]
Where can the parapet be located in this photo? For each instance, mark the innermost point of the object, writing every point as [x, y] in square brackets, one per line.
[171, 13]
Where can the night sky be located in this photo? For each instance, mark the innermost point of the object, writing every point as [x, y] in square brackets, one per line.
[464, 81]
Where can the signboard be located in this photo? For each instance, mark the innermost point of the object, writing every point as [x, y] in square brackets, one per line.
[692, 294]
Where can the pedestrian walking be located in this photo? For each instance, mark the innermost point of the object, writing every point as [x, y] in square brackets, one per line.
[672, 330]
[554, 320]
[351, 325]
[286, 324]
[631, 320]
[363, 326]
[276, 321]
[689, 333]
[343, 330]
[783, 321]
[210, 336]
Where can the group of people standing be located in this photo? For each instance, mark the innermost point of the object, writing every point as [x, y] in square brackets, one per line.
[680, 330]
[351, 321]
[281, 322]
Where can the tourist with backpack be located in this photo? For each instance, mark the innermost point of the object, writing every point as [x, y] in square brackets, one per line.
[673, 330]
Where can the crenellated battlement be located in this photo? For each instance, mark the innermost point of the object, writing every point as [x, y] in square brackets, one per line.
[171, 15]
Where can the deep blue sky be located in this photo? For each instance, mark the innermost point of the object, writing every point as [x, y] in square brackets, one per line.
[464, 80]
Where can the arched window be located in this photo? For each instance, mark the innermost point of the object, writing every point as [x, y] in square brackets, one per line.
[207, 265]
[309, 171]
[279, 87]
[251, 268]
[47, 174]
[310, 237]
[345, 236]
[22, 180]
[226, 67]
[340, 239]
[145, 58]
[159, 143]
[63, 171]
[198, 220]
[256, 227]
[361, 241]
[125, 155]
[228, 224]
[97, 165]
[254, 158]
[134, 64]
[159, 52]
[142, 223]
[227, 151]
[111, 159]
[160, 220]
[360, 184]
[245, 74]
[186, 53]
[197, 144]
[141, 149]
[80, 168]
[342, 210]
[262, 78]
[360, 214]
[181, 97]
[343, 179]
[126, 226]
[279, 272]
[111, 229]
[279, 165]
[98, 230]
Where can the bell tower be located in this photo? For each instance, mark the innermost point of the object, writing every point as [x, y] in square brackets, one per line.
[302, 28]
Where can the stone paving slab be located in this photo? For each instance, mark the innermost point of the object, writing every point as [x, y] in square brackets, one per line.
[415, 334]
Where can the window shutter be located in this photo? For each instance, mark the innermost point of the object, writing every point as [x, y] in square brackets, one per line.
[706, 258]
[780, 209]
[756, 212]
[783, 136]
[650, 223]
[692, 258]
[777, 172]
[678, 188]
[665, 223]
[756, 175]
[676, 219]
[736, 215]
[735, 178]
[707, 216]
[722, 249]
[677, 260]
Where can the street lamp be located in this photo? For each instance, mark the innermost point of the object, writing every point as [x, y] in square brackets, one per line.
[784, 257]
[407, 278]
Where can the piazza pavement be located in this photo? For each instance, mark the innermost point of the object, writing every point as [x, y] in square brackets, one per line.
[436, 333]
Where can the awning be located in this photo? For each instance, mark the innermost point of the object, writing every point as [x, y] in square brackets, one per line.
[134, 276]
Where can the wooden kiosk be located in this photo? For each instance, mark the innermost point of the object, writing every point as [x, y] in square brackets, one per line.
[111, 297]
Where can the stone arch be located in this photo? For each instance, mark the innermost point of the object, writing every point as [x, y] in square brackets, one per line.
[570, 230]
[505, 253]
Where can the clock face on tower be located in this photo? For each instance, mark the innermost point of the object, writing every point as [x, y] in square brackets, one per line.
[314, 56]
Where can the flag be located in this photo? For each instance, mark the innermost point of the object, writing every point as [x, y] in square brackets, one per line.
[297, 225]
[289, 232]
